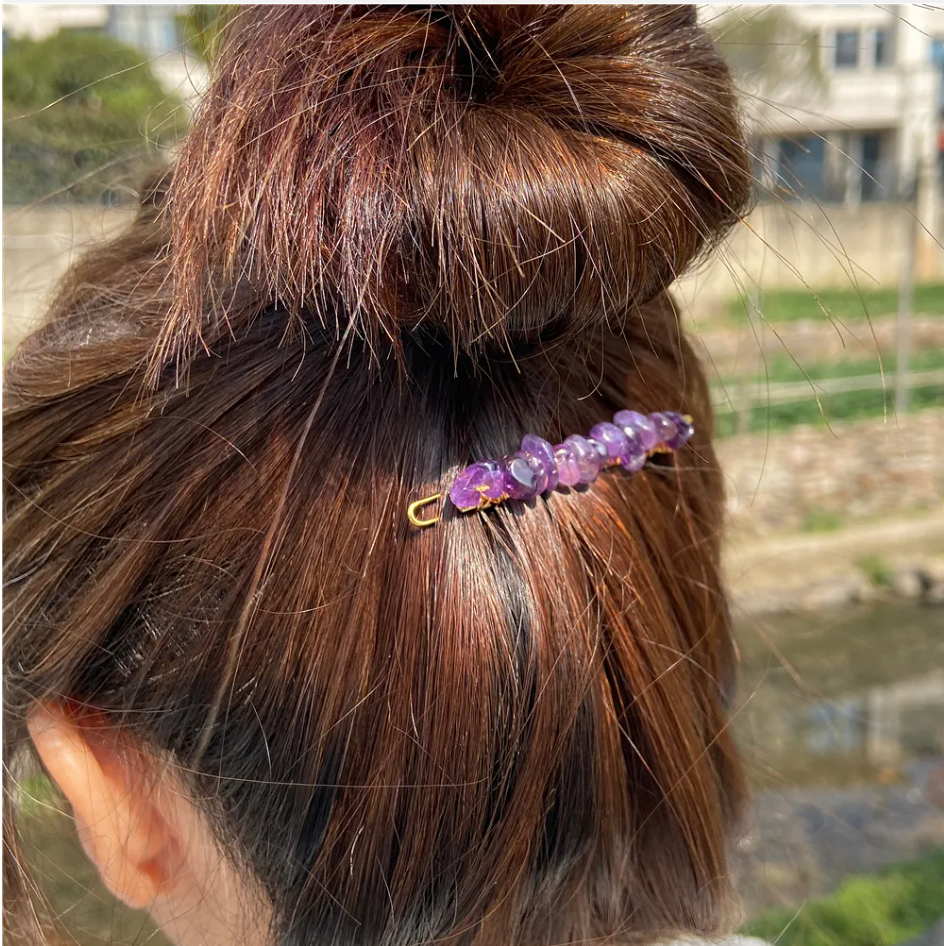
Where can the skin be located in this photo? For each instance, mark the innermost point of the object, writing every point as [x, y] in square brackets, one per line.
[138, 825]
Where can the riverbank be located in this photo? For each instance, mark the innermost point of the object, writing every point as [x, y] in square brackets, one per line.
[807, 571]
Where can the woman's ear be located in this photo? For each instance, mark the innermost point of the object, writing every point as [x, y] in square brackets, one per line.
[141, 829]
[122, 825]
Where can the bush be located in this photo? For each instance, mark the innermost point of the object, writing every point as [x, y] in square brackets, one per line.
[83, 115]
[877, 910]
[877, 570]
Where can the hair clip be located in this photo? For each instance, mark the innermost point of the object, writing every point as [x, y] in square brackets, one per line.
[538, 467]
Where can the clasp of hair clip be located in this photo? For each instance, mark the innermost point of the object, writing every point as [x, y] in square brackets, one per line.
[419, 504]
[537, 467]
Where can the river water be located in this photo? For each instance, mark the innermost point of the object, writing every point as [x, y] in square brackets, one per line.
[841, 718]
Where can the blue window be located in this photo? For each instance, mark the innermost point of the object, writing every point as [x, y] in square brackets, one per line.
[847, 49]
[872, 169]
[801, 166]
[884, 48]
[937, 57]
[937, 50]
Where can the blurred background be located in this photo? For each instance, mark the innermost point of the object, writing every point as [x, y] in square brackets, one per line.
[822, 322]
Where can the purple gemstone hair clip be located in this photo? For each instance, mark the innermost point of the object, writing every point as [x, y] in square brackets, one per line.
[538, 467]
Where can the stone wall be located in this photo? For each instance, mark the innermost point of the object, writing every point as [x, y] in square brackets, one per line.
[857, 471]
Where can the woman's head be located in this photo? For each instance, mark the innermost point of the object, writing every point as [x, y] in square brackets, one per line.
[396, 240]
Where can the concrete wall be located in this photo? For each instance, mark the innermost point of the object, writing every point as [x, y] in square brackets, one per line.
[777, 246]
[798, 245]
[38, 246]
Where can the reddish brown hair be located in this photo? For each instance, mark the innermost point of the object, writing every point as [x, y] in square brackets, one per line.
[396, 240]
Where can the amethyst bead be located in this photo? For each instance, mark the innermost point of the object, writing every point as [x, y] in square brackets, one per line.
[637, 427]
[568, 470]
[540, 448]
[682, 425]
[519, 476]
[588, 459]
[634, 457]
[476, 484]
[612, 438]
[668, 435]
[539, 468]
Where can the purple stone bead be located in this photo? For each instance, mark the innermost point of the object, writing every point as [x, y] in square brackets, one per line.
[634, 457]
[665, 429]
[638, 427]
[519, 479]
[539, 467]
[540, 448]
[683, 426]
[612, 437]
[567, 469]
[588, 460]
[476, 483]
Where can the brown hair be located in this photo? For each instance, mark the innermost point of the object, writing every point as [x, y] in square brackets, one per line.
[396, 240]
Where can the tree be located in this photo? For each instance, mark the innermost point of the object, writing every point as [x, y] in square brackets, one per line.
[201, 27]
[83, 116]
[768, 50]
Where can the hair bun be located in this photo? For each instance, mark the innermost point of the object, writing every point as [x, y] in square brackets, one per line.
[495, 173]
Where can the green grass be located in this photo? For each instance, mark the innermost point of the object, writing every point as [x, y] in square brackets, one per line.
[846, 305]
[38, 795]
[853, 405]
[877, 570]
[875, 910]
[782, 368]
[822, 520]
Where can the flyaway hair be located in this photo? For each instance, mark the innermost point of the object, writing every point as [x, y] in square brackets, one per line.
[396, 240]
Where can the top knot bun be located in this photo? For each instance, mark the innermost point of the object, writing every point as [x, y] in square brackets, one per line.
[495, 173]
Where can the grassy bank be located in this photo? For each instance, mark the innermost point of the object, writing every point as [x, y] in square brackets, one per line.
[875, 910]
[846, 305]
[782, 368]
[854, 405]
[846, 406]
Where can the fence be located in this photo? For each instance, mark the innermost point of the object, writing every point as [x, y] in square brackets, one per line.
[738, 396]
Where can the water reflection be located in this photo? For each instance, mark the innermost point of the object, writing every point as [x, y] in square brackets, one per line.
[842, 721]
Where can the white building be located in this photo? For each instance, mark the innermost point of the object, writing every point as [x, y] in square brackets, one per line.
[874, 121]
[153, 29]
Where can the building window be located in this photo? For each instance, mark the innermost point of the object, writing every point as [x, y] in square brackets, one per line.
[937, 50]
[801, 167]
[884, 48]
[937, 57]
[840, 167]
[847, 49]
[873, 172]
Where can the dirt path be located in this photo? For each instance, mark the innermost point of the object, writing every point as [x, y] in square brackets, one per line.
[757, 569]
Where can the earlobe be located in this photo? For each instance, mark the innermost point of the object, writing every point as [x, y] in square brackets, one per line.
[119, 822]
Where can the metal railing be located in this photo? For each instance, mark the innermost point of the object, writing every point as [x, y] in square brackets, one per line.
[738, 396]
